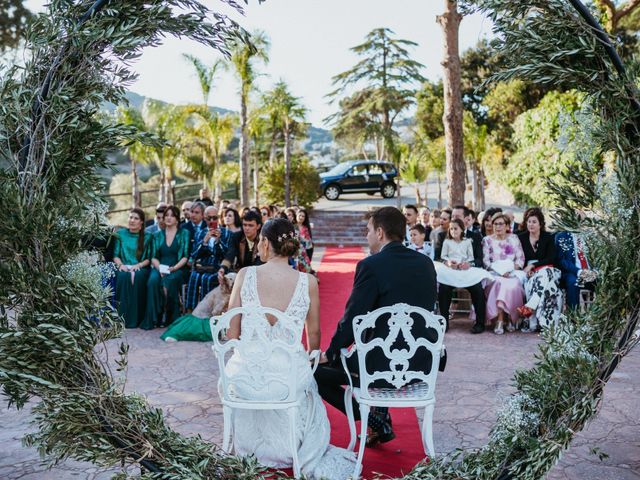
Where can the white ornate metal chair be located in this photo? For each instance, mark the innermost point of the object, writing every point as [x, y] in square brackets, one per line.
[407, 392]
[257, 388]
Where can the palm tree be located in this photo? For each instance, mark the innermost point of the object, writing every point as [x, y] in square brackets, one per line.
[211, 133]
[163, 122]
[136, 151]
[205, 74]
[243, 57]
[287, 111]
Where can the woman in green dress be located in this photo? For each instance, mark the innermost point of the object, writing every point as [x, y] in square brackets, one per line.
[169, 254]
[130, 257]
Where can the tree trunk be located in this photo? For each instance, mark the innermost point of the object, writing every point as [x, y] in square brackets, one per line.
[418, 196]
[474, 185]
[136, 199]
[244, 153]
[256, 175]
[162, 197]
[364, 152]
[273, 149]
[426, 190]
[481, 198]
[439, 191]
[452, 117]
[287, 167]
[170, 188]
[217, 186]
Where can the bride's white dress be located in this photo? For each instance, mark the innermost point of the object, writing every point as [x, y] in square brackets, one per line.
[265, 433]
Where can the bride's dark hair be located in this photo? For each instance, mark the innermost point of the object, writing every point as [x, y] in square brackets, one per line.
[282, 236]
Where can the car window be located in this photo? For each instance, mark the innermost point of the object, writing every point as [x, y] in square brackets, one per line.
[375, 169]
[339, 169]
[389, 169]
[359, 170]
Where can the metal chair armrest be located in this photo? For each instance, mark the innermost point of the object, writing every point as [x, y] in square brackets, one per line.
[344, 354]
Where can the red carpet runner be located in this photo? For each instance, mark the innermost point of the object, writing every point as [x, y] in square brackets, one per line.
[394, 458]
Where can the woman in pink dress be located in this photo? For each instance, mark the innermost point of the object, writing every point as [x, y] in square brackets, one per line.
[503, 256]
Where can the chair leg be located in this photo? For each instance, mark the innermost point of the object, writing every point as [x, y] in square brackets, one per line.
[427, 432]
[226, 438]
[348, 406]
[364, 420]
[293, 440]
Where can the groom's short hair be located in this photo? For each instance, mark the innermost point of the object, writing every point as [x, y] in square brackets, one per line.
[391, 220]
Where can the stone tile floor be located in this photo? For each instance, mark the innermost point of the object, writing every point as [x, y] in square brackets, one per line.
[181, 378]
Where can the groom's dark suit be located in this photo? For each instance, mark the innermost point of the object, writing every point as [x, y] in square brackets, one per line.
[394, 275]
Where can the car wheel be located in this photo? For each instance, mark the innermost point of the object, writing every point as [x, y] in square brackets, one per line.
[388, 190]
[332, 192]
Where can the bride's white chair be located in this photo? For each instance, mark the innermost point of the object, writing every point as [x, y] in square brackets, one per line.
[256, 387]
[412, 388]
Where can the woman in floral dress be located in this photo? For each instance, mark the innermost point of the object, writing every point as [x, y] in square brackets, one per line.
[503, 256]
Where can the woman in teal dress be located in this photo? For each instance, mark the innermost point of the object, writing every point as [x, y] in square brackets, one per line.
[130, 257]
[169, 254]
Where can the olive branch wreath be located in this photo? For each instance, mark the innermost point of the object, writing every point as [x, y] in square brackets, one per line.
[52, 142]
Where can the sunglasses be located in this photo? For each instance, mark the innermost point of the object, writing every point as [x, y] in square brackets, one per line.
[212, 217]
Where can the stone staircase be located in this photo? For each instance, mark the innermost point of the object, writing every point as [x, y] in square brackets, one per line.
[339, 228]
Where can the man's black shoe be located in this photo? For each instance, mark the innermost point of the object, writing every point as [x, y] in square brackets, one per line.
[477, 328]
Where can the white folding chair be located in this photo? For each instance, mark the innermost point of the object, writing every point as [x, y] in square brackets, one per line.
[407, 392]
[261, 389]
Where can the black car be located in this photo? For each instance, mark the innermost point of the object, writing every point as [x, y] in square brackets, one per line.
[359, 176]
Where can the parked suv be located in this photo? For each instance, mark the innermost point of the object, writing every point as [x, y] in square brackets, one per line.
[359, 176]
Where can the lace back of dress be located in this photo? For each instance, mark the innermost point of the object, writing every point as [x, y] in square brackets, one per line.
[289, 330]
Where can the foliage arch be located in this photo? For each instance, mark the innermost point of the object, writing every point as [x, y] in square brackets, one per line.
[51, 145]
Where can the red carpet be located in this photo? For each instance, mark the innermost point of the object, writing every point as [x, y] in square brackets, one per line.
[394, 458]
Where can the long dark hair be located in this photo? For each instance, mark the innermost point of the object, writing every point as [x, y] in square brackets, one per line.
[533, 212]
[460, 224]
[236, 216]
[140, 246]
[306, 222]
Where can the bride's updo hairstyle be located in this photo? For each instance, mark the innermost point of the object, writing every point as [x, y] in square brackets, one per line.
[282, 237]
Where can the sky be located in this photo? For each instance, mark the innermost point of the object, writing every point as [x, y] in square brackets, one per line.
[310, 42]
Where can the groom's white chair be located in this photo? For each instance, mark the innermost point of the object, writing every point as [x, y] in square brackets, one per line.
[255, 387]
[412, 388]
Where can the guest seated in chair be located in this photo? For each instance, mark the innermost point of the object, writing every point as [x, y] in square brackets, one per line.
[243, 251]
[210, 248]
[418, 235]
[169, 252]
[542, 289]
[571, 258]
[457, 269]
[131, 259]
[503, 256]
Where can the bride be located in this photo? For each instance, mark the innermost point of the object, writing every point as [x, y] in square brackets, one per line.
[265, 433]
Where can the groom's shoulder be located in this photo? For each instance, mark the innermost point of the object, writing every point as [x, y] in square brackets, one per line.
[394, 253]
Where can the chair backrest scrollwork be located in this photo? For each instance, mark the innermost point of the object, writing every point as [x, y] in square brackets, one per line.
[265, 352]
[401, 321]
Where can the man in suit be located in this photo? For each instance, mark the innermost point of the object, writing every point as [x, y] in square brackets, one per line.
[445, 292]
[513, 225]
[195, 225]
[153, 226]
[391, 274]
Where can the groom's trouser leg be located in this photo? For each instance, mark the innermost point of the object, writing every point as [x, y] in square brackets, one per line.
[330, 381]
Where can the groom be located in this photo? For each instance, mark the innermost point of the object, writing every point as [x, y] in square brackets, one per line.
[391, 274]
